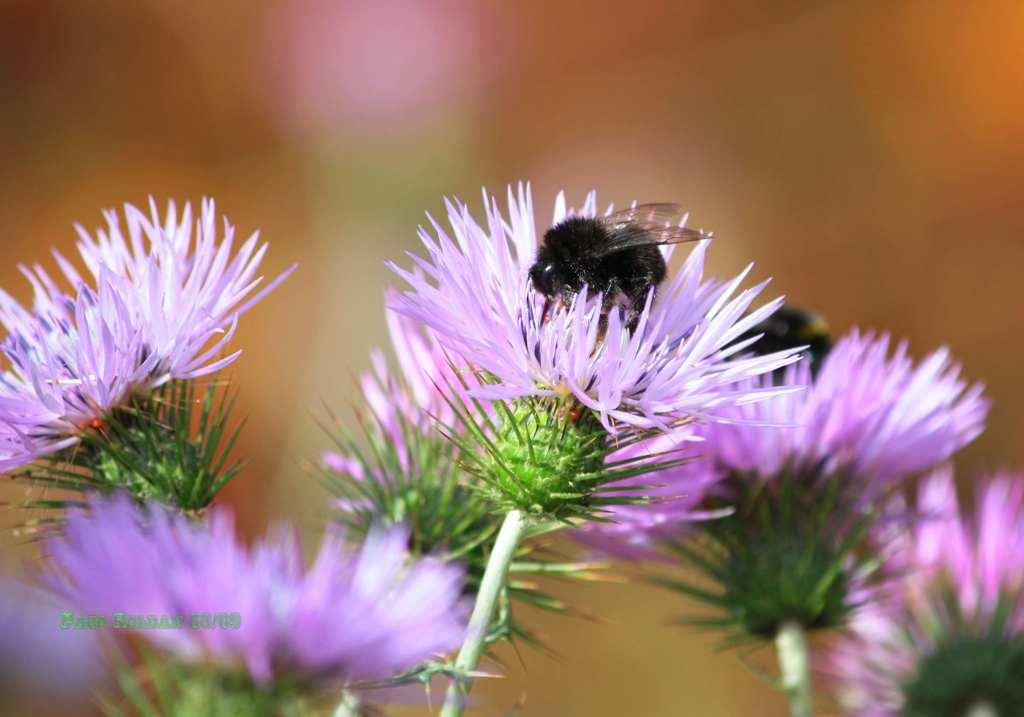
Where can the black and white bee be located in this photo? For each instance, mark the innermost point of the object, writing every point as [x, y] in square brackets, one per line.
[616, 255]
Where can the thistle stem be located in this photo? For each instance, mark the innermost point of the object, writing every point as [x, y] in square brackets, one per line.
[483, 611]
[794, 663]
[350, 705]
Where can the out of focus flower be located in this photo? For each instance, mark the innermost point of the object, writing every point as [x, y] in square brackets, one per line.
[374, 62]
[352, 617]
[950, 638]
[804, 473]
[870, 414]
[473, 290]
[39, 660]
[161, 302]
[402, 457]
[411, 400]
[402, 468]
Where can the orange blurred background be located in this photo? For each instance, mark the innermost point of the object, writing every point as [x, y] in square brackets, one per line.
[869, 156]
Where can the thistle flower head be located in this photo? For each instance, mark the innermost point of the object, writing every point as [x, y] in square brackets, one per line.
[664, 365]
[353, 616]
[413, 395]
[950, 636]
[870, 413]
[159, 302]
[805, 472]
[171, 445]
[402, 468]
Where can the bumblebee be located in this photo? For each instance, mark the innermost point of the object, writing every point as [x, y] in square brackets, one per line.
[617, 255]
[788, 328]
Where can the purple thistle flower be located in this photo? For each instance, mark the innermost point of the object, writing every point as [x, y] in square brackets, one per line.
[400, 415]
[873, 414]
[868, 413]
[405, 468]
[949, 633]
[423, 370]
[474, 291]
[353, 616]
[159, 303]
[412, 399]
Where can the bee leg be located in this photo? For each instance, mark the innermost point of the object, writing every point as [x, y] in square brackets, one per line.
[610, 298]
[602, 327]
[546, 311]
[553, 303]
[637, 294]
[609, 302]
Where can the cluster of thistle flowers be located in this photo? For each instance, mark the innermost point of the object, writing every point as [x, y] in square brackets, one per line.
[108, 406]
[679, 432]
[670, 431]
[819, 537]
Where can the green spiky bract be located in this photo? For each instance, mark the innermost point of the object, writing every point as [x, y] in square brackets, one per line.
[548, 458]
[414, 481]
[967, 671]
[417, 481]
[976, 659]
[149, 682]
[171, 446]
[156, 685]
[791, 551]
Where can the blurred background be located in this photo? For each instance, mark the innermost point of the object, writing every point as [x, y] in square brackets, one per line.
[869, 156]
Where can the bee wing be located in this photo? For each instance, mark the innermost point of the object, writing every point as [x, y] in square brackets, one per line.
[647, 225]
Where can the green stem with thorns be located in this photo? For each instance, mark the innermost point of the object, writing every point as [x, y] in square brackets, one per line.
[491, 586]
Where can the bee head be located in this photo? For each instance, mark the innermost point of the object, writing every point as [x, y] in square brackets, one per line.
[546, 278]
